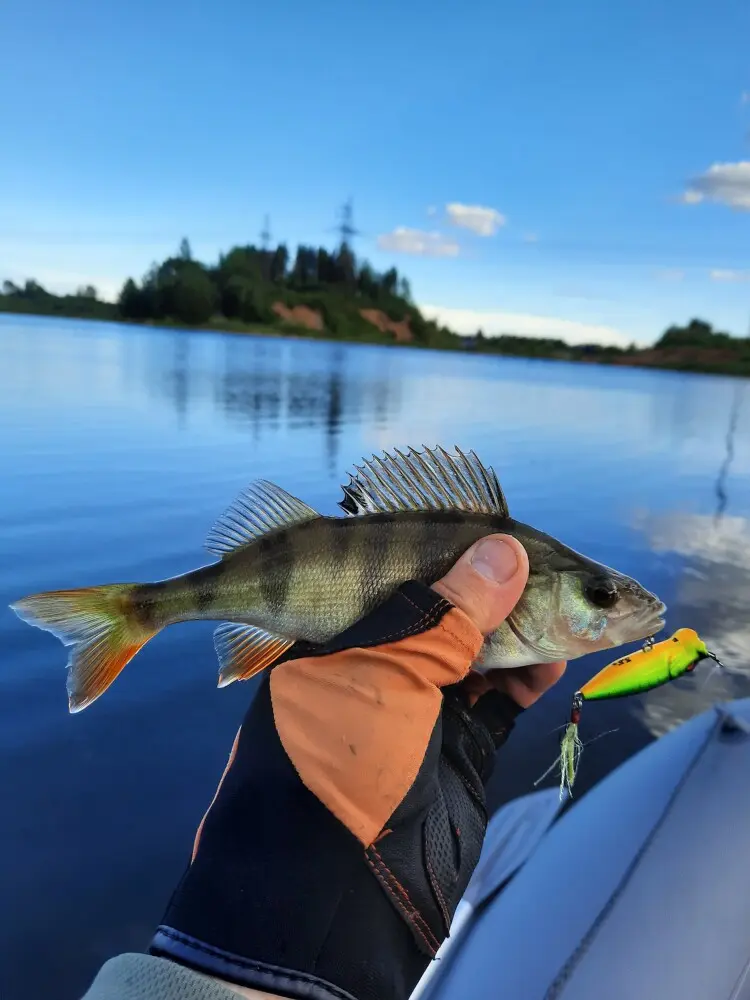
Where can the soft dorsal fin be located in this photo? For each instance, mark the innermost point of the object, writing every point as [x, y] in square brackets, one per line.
[261, 508]
[427, 480]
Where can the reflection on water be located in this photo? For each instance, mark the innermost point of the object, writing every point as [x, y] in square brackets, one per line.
[714, 598]
[721, 479]
[713, 593]
[248, 387]
[121, 446]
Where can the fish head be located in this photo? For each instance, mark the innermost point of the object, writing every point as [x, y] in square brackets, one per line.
[601, 608]
[573, 605]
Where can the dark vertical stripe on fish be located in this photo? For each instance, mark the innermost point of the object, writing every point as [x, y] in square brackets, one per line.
[439, 543]
[203, 586]
[277, 559]
[341, 536]
[370, 561]
[143, 604]
[203, 590]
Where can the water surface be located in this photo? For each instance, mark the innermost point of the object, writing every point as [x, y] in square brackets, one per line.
[119, 447]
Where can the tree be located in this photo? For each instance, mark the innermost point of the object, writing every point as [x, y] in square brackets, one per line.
[169, 282]
[305, 270]
[255, 307]
[193, 296]
[33, 290]
[697, 333]
[367, 283]
[9, 288]
[389, 281]
[326, 267]
[231, 298]
[150, 298]
[279, 264]
[241, 262]
[346, 267]
[185, 252]
[87, 292]
[132, 302]
[404, 289]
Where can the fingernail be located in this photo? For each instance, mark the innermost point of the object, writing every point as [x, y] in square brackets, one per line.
[495, 560]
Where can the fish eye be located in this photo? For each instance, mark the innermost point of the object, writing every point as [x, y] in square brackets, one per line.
[601, 591]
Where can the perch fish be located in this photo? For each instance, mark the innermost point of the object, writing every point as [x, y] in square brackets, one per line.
[286, 573]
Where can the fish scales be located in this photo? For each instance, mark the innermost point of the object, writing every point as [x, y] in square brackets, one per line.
[315, 579]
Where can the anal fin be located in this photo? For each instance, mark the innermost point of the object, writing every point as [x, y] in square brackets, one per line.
[245, 650]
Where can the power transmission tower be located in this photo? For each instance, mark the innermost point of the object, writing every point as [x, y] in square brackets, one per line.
[346, 228]
[265, 233]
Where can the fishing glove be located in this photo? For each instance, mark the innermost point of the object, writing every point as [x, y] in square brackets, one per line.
[351, 813]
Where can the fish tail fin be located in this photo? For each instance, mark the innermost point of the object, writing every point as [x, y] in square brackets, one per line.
[100, 626]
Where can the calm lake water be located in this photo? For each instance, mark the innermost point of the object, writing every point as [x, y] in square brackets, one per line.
[119, 448]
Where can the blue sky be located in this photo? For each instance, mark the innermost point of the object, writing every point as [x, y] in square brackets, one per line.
[580, 169]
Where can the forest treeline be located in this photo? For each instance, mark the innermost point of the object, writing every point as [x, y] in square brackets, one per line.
[334, 294]
[246, 283]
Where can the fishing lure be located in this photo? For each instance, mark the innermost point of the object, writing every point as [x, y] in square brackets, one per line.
[650, 667]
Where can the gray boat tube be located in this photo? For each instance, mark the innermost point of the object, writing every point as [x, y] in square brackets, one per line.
[640, 891]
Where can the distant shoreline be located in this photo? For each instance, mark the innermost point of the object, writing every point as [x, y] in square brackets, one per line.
[686, 360]
[322, 294]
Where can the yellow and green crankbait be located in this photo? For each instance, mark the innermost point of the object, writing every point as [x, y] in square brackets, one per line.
[653, 665]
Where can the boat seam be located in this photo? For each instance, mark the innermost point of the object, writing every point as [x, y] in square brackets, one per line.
[558, 984]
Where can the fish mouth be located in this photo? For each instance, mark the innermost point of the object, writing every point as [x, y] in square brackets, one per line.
[644, 618]
[649, 620]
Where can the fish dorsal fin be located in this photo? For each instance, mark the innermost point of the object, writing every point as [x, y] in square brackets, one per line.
[427, 480]
[261, 508]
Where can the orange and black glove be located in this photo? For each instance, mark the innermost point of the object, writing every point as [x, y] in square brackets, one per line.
[351, 814]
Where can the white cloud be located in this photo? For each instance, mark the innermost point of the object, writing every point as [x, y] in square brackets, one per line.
[720, 274]
[725, 183]
[419, 242]
[480, 220]
[524, 325]
[670, 274]
[530, 238]
[690, 197]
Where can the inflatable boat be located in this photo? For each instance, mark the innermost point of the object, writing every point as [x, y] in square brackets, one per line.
[639, 891]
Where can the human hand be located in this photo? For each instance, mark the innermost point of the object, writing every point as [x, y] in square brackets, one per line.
[488, 600]
[351, 814]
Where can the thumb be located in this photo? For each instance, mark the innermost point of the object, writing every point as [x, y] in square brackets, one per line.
[487, 581]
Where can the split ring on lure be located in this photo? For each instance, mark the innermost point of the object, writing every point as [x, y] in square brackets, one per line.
[650, 667]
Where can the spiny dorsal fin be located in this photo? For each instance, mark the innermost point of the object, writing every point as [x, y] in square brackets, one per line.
[427, 480]
[261, 508]
[245, 650]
